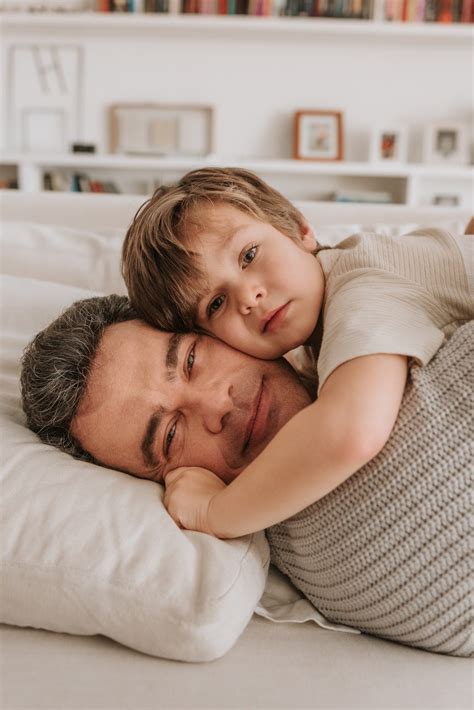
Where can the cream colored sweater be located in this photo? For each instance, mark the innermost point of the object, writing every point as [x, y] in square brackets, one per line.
[402, 295]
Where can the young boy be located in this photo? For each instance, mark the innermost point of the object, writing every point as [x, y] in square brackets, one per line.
[224, 253]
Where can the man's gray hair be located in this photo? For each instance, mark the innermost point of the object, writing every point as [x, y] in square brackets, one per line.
[56, 367]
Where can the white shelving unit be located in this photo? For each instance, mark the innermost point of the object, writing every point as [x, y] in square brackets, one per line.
[259, 38]
[236, 24]
[31, 169]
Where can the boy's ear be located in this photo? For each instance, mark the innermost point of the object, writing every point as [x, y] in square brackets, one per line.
[308, 237]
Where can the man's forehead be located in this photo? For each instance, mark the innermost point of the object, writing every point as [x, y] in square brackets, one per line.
[131, 333]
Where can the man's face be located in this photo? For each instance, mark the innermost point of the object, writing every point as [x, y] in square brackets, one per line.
[155, 401]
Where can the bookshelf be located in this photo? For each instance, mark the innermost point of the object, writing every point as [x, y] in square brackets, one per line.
[406, 182]
[235, 25]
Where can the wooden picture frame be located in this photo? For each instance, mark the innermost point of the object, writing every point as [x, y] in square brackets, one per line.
[165, 130]
[318, 135]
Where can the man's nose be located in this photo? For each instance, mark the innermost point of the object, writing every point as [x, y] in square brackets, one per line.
[212, 401]
[249, 296]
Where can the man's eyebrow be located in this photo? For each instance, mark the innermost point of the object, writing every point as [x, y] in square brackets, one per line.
[171, 360]
[171, 363]
[148, 440]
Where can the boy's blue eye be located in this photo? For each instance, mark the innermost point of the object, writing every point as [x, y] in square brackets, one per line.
[215, 305]
[249, 255]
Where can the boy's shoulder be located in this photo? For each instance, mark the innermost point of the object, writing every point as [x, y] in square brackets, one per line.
[381, 250]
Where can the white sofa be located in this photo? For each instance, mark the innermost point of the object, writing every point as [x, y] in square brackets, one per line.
[270, 665]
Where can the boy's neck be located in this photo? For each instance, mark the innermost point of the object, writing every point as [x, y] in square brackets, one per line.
[314, 340]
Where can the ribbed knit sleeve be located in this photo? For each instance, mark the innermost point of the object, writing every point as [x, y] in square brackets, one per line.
[403, 295]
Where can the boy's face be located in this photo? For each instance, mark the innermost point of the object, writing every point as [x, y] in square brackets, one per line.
[265, 290]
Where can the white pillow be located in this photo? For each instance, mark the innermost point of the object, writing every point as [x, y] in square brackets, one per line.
[88, 550]
[65, 255]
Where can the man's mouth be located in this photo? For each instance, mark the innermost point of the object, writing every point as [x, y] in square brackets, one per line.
[257, 424]
[273, 319]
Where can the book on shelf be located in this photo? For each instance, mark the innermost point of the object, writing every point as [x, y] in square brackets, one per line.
[79, 182]
[444, 11]
[8, 184]
[362, 196]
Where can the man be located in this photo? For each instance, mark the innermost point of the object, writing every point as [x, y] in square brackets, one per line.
[103, 386]
[385, 553]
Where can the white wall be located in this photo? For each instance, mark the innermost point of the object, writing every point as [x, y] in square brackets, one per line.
[257, 81]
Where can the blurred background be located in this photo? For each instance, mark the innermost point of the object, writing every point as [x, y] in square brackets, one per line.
[346, 100]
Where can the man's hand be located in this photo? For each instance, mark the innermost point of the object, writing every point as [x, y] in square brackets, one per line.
[188, 494]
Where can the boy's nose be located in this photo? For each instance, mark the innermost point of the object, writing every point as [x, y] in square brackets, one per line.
[249, 297]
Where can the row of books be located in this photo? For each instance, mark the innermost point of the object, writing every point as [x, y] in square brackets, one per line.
[79, 182]
[8, 184]
[391, 10]
[359, 196]
[427, 11]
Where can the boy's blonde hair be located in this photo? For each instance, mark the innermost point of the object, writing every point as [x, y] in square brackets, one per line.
[164, 280]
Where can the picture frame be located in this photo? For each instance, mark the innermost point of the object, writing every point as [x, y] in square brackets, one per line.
[389, 144]
[318, 135]
[43, 130]
[446, 143]
[165, 130]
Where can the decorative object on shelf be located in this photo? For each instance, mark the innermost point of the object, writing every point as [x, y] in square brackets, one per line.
[83, 147]
[446, 143]
[318, 135]
[162, 129]
[44, 96]
[389, 145]
[446, 200]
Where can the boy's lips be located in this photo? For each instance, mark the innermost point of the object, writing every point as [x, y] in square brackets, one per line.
[257, 424]
[273, 319]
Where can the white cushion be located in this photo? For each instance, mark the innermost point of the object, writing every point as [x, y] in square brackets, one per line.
[91, 258]
[88, 550]
[66, 255]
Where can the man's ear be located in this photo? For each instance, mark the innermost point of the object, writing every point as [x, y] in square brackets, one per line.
[308, 237]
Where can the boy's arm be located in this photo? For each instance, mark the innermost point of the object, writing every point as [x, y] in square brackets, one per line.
[318, 449]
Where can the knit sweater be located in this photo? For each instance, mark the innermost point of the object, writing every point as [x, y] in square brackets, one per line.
[388, 551]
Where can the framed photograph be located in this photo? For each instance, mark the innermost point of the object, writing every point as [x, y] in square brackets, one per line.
[162, 129]
[446, 143]
[389, 145]
[318, 135]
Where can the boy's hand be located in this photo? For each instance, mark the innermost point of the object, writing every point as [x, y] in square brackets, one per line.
[188, 494]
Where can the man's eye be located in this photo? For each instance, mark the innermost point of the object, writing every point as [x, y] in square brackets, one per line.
[215, 305]
[249, 255]
[191, 358]
[169, 438]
